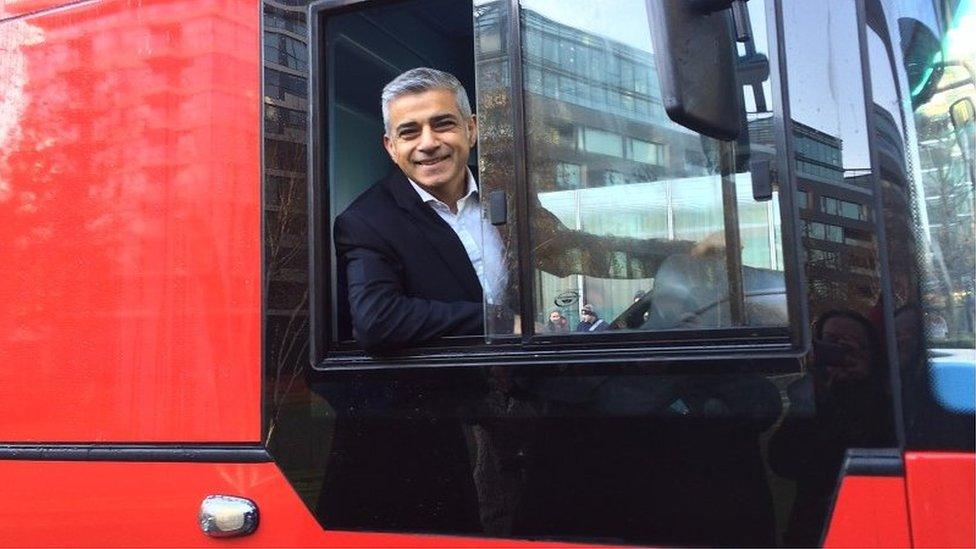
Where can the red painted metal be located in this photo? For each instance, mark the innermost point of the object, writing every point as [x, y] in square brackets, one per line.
[942, 498]
[106, 504]
[13, 8]
[130, 222]
[869, 512]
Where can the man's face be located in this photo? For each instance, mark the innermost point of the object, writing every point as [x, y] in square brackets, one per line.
[429, 140]
[850, 335]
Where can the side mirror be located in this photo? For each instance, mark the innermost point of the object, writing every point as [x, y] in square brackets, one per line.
[963, 115]
[695, 55]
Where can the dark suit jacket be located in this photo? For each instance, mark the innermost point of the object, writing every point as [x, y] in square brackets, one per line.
[403, 274]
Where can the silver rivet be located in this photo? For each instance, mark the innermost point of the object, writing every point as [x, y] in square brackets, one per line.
[228, 516]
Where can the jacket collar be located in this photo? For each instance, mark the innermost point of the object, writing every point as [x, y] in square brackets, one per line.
[436, 231]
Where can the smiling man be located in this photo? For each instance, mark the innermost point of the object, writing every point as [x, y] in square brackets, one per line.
[416, 258]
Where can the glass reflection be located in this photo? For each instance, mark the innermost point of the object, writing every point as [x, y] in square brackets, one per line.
[921, 68]
[618, 190]
[843, 399]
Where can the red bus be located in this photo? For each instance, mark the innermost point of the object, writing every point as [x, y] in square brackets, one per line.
[769, 203]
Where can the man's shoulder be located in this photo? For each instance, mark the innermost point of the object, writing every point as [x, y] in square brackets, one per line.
[375, 203]
[375, 198]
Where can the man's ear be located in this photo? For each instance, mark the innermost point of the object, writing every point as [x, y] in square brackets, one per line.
[390, 147]
[473, 130]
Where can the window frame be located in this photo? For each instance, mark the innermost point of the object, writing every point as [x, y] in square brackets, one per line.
[721, 345]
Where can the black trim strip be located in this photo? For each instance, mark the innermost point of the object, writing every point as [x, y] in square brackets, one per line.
[888, 342]
[197, 453]
[319, 240]
[797, 302]
[262, 226]
[873, 462]
[523, 208]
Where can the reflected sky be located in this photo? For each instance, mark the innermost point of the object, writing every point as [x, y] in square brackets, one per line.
[824, 68]
[603, 19]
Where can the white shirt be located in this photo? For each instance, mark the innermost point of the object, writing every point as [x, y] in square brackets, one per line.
[479, 237]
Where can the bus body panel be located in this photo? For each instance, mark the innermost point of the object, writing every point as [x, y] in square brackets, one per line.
[869, 512]
[14, 8]
[942, 498]
[118, 504]
[130, 222]
[130, 213]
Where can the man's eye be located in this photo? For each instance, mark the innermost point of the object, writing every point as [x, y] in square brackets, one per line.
[445, 124]
[408, 134]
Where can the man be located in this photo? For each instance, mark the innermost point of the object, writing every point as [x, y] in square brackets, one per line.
[415, 262]
[416, 259]
[590, 321]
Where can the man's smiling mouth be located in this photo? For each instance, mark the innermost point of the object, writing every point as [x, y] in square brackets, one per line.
[431, 161]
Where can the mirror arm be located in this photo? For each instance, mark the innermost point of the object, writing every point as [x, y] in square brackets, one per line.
[740, 17]
[740, 14]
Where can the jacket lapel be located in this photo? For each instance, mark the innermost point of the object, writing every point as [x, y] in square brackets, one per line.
[437, 233]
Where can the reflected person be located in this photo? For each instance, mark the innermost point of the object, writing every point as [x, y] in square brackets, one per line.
[842, 402]
[557, 323]
[590, 321]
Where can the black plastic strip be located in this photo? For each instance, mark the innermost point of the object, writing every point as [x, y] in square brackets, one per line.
[265, 293]
[884, 262]
[203, 453]
[526, 269]
[795, 274]
[873, 462]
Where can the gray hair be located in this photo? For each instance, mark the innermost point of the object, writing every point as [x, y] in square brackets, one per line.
[420, 80]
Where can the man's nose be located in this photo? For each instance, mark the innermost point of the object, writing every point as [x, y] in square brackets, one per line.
[428, 140]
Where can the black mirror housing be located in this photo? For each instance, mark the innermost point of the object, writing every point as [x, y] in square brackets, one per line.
[695, 56]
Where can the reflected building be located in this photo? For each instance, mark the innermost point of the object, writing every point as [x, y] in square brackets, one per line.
[604, 157]
[285, 51]
[837, 223]
[601, 104]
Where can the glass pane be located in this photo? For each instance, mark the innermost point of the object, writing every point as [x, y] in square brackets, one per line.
[630, 213]
[842, 399]
[918, 57]
[833, 161]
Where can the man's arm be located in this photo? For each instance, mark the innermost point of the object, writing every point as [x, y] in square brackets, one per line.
[562, 251]
[383, 318]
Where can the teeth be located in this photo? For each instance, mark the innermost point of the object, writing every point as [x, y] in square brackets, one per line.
[430, 162]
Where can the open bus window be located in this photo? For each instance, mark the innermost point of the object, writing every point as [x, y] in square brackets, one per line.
[363, 49]
[630, 223]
